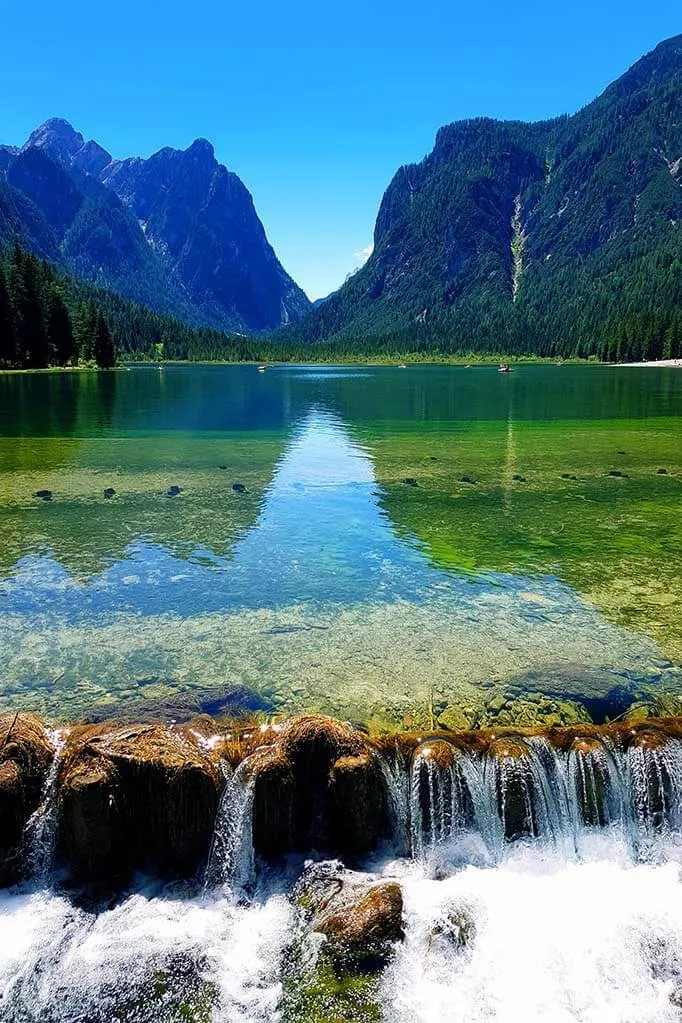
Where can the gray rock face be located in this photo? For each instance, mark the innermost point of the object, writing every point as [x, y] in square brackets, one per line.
[177, 232]
[202, 218]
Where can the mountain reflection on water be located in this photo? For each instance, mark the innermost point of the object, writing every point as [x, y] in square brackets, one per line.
[312, 583]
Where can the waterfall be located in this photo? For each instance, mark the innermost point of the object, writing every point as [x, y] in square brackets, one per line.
[654, 771]
[440, 797]
[231, 858]
[524, 790]
[397, 789]
[40, 833]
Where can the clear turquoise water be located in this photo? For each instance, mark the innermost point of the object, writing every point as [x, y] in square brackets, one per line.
[329, 582]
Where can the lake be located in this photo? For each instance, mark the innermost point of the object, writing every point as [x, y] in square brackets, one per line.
[392, 546]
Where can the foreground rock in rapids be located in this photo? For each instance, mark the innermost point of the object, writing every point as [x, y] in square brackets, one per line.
[136, 799]
[319, 786]
[361, 916]
[25, 756]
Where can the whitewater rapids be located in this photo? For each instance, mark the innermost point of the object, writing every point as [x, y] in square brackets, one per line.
[597, 941]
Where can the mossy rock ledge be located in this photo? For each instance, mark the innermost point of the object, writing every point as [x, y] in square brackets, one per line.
[318, 786]
[145, 797]
[26, 753]
[136, 798]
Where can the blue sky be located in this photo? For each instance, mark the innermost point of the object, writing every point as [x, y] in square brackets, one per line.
[314, 105]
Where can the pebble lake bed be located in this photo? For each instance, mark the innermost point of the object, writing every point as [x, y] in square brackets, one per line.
[375, 543]
[341, 695]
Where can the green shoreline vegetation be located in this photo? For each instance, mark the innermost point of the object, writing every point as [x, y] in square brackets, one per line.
[51, 319]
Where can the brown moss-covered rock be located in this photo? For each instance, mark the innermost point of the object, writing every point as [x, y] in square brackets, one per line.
[356, 804]
[360, 915]
[442, 754]
[274, 801]
[25, 756]
[319, 785]
[133, 799]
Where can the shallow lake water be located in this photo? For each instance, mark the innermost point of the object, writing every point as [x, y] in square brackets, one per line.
[389, 545]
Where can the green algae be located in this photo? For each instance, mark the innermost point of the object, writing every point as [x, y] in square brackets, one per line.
[616, 540]
[319, 993]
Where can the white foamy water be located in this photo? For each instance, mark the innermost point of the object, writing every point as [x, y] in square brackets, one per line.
[596, 942]
[550, 941]
[62, 964]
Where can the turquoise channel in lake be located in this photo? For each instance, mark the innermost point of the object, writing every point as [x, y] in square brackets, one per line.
[388, 545]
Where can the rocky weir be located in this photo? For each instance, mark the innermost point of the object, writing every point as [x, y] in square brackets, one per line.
[110, 800]
[306, 871]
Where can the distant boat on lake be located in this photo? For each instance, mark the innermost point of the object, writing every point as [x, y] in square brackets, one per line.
[261, 369]
[504, 368]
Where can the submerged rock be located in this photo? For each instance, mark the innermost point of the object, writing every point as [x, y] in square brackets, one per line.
[109, 492]
[456, 925]
[239, 488]
[25, 756]
[44, 495]
[139, 798]
[173, 491]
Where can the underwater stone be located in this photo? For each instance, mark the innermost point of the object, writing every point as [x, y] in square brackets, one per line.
[44, 495]
[454, 719]
[239, 488]
[173, 491]
[109, 492]
[409, 481]
[457, 925]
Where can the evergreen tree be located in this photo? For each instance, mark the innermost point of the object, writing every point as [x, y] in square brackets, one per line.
[7, 346]
[59, 332]
[105, 352]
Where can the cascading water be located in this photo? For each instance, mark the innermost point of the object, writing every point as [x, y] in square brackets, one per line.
[525, 790]
[557, 896]
[231, 859]
[41, 828]
[654, 774]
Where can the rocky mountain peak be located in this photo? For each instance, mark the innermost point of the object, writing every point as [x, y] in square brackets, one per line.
[57, 137]
[201, 148]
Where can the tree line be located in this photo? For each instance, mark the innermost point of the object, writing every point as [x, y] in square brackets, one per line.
[48, 318]
[42, 320]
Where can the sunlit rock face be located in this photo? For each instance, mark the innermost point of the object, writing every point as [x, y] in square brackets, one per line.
[178, 231]
[135, 798]
[319, 786]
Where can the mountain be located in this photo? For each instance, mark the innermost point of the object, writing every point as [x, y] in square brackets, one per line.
[563, 236]
[177, 232]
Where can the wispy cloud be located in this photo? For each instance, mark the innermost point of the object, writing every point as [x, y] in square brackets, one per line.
[363, 255]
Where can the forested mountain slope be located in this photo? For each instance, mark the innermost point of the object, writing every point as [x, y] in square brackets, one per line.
[560, 237]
